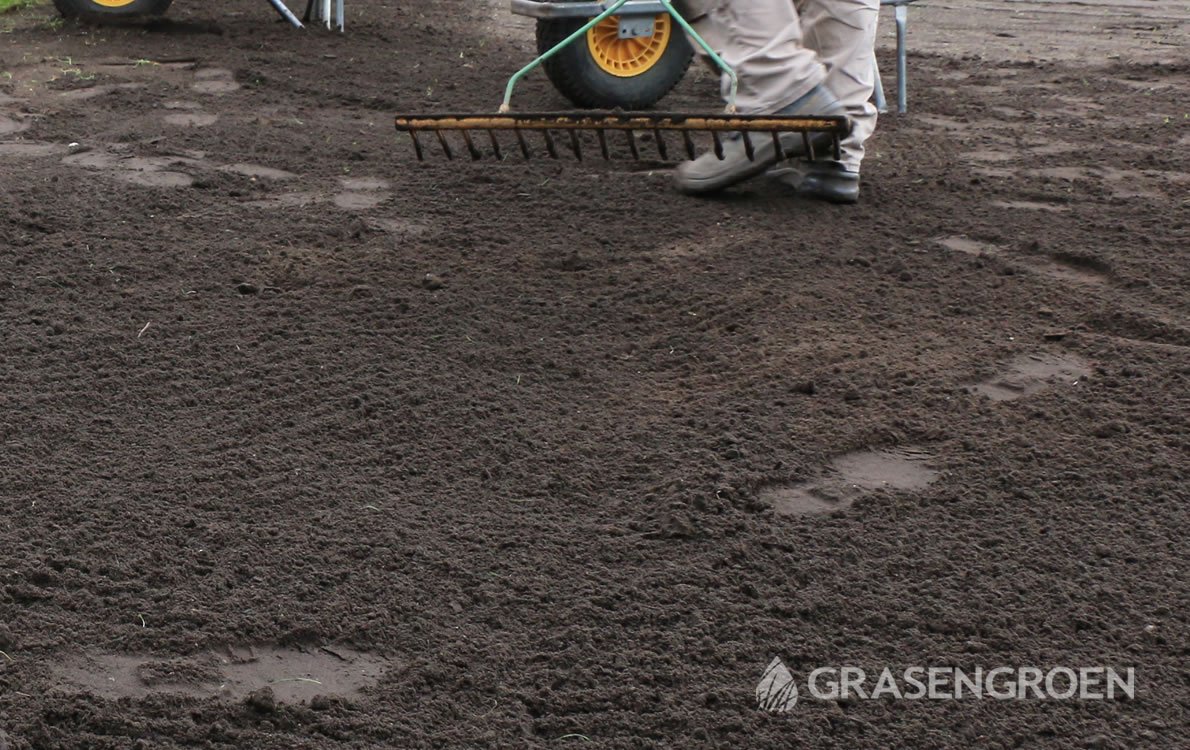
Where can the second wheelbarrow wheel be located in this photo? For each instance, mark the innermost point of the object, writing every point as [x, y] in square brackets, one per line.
[107, 9]
[604, 71]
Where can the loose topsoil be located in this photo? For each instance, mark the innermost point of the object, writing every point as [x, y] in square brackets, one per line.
[543, 454]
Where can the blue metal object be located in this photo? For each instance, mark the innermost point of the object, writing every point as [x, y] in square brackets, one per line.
[286, 13]
[328, 11]
[901, 19]
[878, 90]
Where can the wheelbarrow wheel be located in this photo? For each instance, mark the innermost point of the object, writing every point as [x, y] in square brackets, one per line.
[604, 71]
[107, 9]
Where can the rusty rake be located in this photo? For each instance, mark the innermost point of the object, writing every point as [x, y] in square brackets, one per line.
[561, 132]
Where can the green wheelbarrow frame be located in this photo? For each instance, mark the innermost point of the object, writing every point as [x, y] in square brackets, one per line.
[607, 9]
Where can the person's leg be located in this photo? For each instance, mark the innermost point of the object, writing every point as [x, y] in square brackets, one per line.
[843, 34]
[762, 41]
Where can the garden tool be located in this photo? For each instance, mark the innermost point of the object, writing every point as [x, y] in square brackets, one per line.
[477, 135]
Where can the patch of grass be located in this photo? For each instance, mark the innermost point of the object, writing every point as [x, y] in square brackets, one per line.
[8, 5]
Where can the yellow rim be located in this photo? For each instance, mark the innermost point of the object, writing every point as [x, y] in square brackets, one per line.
[113, 3]
[626, 58]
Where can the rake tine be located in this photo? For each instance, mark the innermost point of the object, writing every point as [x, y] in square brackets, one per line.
[632, 144]
[718, 144]
[777, 146]
[476, 154]
[821, 137]
[524, 146]
[445, 144]
[495, 145]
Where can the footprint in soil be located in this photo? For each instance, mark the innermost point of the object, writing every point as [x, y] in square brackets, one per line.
[188, 115]
[355, 194]
[214, 81]
[1123, 183]
[159, 179]
[1030, 206]
[11, 125]
[398, 227]
[361, 193]
[851, 476]
[1064, 267]
[150, 171]
[1032, 373]
[191, 119]
[30, 150]
[292, 674]
[95, 91]
[256, 171]
[989, 155]
[287, 200]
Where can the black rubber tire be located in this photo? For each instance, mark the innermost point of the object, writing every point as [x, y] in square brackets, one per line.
[577, 76]
[93, 10]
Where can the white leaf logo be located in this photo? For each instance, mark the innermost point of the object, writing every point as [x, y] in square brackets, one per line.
[777, 691]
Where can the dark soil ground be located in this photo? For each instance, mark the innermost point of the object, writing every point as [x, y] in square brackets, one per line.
[621, 450]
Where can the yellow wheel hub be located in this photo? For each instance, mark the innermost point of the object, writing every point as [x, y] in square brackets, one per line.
[626, 58]
[113, 3]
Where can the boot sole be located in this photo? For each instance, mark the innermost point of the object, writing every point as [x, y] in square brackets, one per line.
[750, 169]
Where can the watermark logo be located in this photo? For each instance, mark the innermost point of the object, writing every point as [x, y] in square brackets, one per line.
[778, 688]
[777, 691]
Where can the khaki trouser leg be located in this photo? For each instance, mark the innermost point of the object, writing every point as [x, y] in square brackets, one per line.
[843, 33]
[762, 41]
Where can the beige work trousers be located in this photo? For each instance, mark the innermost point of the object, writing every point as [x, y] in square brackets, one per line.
[780, 49]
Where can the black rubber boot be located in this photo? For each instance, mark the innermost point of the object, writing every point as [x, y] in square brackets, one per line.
[829, 181]
[820, 180]
[709, 173]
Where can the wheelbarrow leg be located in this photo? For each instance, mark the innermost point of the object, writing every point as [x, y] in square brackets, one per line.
[286, 13]
[901, 17]
[878, 89]
[330, 12]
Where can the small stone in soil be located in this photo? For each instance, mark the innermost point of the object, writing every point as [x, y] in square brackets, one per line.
[262, 701]
[1110, 429]
[8, 641]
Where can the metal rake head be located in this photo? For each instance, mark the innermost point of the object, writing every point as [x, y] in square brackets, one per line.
[754, 130]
